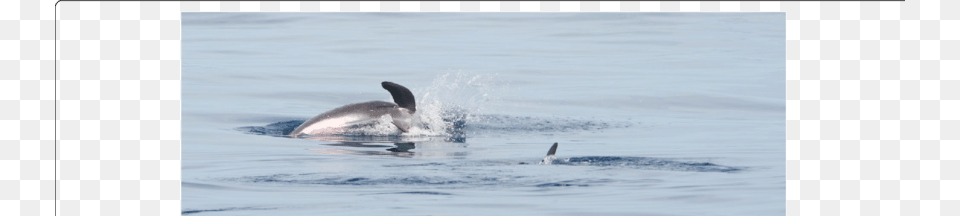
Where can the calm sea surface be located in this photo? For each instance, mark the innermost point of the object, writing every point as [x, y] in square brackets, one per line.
[654, 113]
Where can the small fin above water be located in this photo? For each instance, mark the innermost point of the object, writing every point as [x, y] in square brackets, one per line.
[550, 155]
[553, 150]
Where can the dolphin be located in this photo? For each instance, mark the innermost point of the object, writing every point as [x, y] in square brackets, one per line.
[359, 114]
[550, 155]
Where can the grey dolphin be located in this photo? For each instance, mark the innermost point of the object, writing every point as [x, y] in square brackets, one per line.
[550, 155]
[341, 118]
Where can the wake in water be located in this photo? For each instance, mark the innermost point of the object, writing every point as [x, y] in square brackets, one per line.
[454, 178]
[644, 163]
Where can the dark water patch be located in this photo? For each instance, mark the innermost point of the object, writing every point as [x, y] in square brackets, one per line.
[186, 212]
[402, 147]
[561, 184]
[278, 178]
[356, 179]
[574, 183]
[422, 193]
[467, 181]
[646, 163]
[275, 129]
[413, 165]
[432, 181]
[360, 181]
[358, 145]
[392, 152]
[413, 180]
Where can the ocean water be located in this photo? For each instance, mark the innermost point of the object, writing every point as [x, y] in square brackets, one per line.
[653, 113]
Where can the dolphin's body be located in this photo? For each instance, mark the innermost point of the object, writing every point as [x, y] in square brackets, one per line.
[359, 114]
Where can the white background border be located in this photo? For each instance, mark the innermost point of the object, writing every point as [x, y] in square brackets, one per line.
[872, 89]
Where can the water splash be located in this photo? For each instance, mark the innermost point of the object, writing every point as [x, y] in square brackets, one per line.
[452, 99]
[549, 159]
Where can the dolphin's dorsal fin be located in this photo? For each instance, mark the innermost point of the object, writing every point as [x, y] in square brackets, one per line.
[553, 150]
[401, 95]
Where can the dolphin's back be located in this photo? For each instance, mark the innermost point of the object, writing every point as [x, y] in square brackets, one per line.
[336, 120]
[347, 114]
[377, 108]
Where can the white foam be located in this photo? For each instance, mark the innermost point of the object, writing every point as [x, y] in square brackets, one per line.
[453, 96]
[548, 159]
